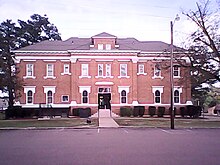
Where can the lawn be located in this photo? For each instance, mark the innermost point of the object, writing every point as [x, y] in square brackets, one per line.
[67, 122]
[165, 122]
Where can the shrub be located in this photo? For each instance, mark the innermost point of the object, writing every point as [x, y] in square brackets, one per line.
[136, 111]
[160, 111]
[75, 111]
[141, 111]
[125, 111]
[152, 110]
[183, 111]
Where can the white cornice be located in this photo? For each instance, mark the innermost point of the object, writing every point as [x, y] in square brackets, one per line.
[102, 51]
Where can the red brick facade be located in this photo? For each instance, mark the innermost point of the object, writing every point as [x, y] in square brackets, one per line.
[71, 73]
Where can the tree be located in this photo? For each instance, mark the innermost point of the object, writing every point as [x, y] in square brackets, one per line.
[203, 47]
[13, 37]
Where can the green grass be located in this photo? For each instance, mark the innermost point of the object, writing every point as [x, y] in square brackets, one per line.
[165, 122]
[24, 123]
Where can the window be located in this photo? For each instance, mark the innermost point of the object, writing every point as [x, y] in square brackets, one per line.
[123, 96]
[30, 70]
[157, 70]
[29, 97]
[157, 96]
[108, 70]
[123, 70]
[85, 71]
[65, 98]
[85, 97]
[108, 47]
[100, 70]
[49, 97]
[66, 69]
[100, 46]
[176, 71]
[50, 70]
[176, 96]
[141, 68]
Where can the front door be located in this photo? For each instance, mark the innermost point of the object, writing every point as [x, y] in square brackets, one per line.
[104, 98]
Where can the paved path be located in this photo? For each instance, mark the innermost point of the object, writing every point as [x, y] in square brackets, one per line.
[105, 119]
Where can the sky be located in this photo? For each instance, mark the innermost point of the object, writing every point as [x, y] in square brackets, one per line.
[145, 20]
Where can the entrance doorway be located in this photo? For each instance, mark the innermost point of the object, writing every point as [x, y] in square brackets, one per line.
[104, 98]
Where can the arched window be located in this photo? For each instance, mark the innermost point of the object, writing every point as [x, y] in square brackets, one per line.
[85, 96]
[157, 96]
[123, 96]
[176, 96]
[29, 97]
[49, 97]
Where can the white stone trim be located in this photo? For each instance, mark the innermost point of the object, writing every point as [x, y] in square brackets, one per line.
[159, 88]
[121, 88]
[27, 88]
[104, 83]
[84, 88]
[49, 88]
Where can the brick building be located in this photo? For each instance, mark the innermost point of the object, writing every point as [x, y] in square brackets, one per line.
[126, 71]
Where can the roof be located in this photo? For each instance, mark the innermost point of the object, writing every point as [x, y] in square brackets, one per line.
[75, 43]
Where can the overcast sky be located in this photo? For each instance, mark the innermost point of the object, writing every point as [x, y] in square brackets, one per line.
[143, 19]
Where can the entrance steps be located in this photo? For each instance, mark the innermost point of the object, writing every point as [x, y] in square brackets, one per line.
[105, 113]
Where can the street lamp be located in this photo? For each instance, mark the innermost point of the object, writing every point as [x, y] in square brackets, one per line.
[171, 74]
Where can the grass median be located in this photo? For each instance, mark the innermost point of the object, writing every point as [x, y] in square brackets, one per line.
[67, 122]
[165, 122]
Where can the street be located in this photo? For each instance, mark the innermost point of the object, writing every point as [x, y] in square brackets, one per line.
[122, 146]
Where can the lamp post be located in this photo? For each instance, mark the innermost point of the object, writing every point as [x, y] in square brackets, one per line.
[171, 75]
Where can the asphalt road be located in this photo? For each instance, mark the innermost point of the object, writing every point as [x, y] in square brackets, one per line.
[110, 147]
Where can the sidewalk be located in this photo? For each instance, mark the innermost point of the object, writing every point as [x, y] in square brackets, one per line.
[105, 119]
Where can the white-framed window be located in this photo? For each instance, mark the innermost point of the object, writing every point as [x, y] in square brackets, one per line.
[123, 91]
[157, 70]
[108, 47]
[108, 70]
[100, 70]
[123, 97]
[176, 71]
[85, 99]
[100, 46]
[84, 71]
[176, 96]
[66, 69]
[85, 90]
[141, 69]
[157, 92]
[157, 96]
[49, 97]
[29, 97]
[50, 70]
[29, 91]
[65, 98]
[123, 71]
[29, 71]
[49, 91]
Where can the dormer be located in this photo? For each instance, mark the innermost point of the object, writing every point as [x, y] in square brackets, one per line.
[103, 41]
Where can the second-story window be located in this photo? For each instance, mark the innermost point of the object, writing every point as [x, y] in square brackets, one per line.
[100, 70]
[85, 70]
[108, 70]
[141, 68]
[66, 69]
[30, 70]
[123, 70]
[157, 70]
[50, 70]
[176, 71]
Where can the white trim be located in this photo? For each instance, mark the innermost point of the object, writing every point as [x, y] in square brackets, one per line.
[160, 88]
[123, 76]
[50, 60]
[29, 60]
[85, 76]
[49, 88]
[49, 77]
[27, 88]
[104, 83]
[62, 99]
[121, 88]
[104, 60]
[29, 77]
[125, 60]
[83, 88]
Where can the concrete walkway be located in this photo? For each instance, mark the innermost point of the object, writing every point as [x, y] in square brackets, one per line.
[105, 119]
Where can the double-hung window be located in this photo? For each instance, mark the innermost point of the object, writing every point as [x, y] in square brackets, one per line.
[85, 70]
[176, 71]
[108, 70]
[100, 70]
[30, 71]
[123, 70]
